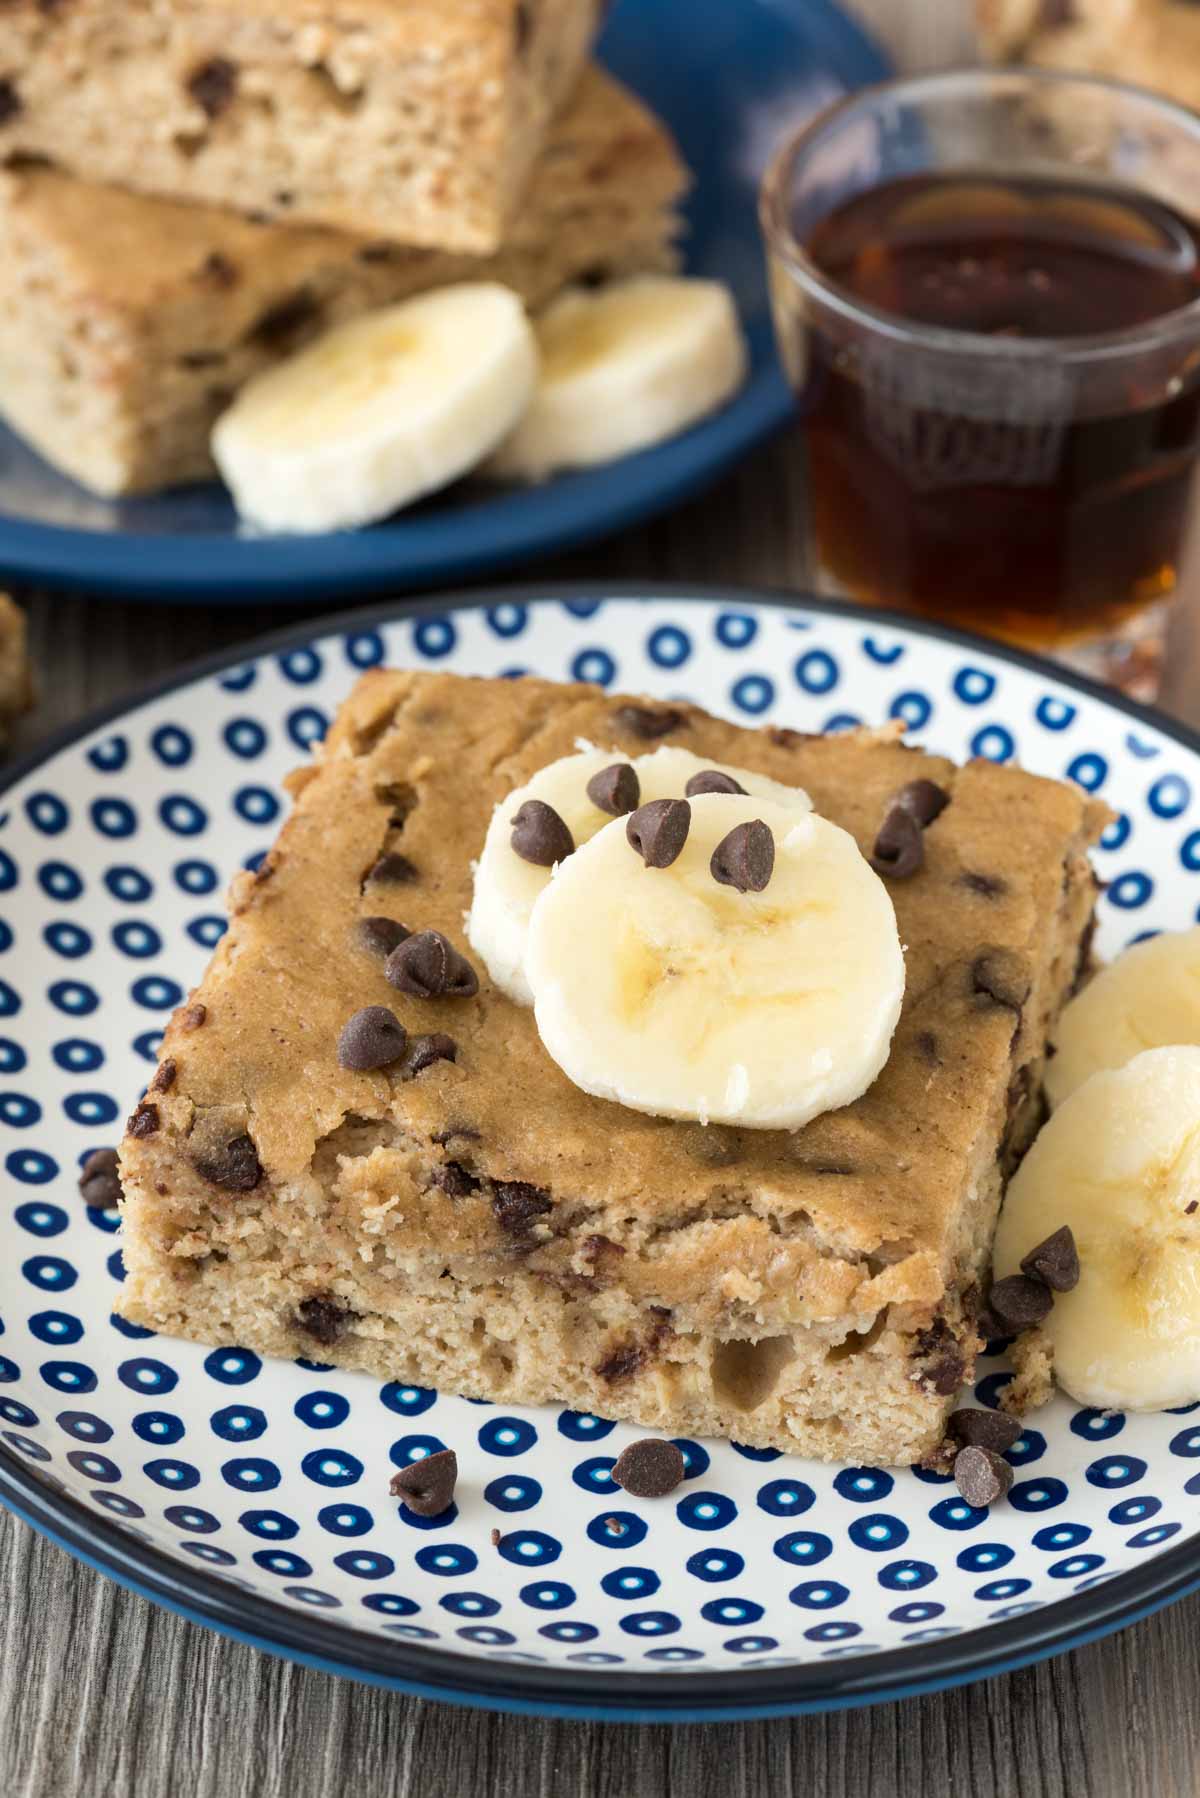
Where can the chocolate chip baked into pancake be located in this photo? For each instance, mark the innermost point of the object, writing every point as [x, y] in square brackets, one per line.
[358, 1147]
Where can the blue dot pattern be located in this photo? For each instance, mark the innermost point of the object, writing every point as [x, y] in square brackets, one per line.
[275, 1475]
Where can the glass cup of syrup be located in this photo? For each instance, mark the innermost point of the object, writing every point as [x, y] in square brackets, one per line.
[986, 290]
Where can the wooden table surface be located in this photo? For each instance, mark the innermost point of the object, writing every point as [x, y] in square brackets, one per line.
[103, 1694]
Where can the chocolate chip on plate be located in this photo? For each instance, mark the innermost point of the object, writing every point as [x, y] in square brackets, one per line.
[659, 830]
[924, 800]
[429, 967]
[423, 1051]
[649, 1469]
[233, 1165]
[100, 1181]
[539, 835]
[373, 1038]
[983, 1429]
[379, 936]
[899, 849]
[711, 780]
[616, 789]
[981, 1476]
[646, 722]
[744, 859]
[1020, 1302]
[427, 1485]
[1055, 1262]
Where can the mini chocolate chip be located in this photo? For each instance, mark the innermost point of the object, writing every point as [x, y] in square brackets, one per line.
[193, 1017]
[924, 799]
[614, 1526]
[164, 1079]
[649, 1469]
[233, 1165]
[785, 738]
[945, 1375]
[539, 834]
[926, 1045]
[10, 100]
[145, 1120]
[496, 1538]
[744, 859]
[100, 1180]
[213, 85]
[218, 270]
[1188, 1209]
[1001, 976]
[645, 722]
[1055, 1262]
[453, 1179]
[984, 1429]
[282, 325]
[600, 1248]
[622, 1363]
[1020, 1302]
[427, 1485]
[373, 1038]
[323, 1318]
[429, 967]
[392, 870]
[981, 1476]
[515, 1203]
[423, 1051]
[711, 780]
[659, 830]
[379, 936]
[899, 850]
[988, 886]
[616, 789]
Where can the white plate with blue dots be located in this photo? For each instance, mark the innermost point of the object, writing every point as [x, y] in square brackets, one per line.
[253, 1496]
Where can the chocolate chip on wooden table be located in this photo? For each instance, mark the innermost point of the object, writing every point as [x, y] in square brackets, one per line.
[392, 870]
[981, 1476]
[744, 859]
[539, 835]
[659, 830]
[428, 966]
[1055, 1262]
[899, 850]
[423, 1051]
[649, 1469]
[427, 1485]
[373, 1038]
[323, 1318]
[924, 800]
[983, 1429]
[233, 1165]
[145, 1120]
[646, 722]
[100, 1180]
[711, 780]
[616, 789]
[164, 1078]
[1020, 1302]
[379, 936]
[213, 84]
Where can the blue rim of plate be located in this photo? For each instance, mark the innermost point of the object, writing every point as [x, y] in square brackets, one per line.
[313, 1641]
[489, 535]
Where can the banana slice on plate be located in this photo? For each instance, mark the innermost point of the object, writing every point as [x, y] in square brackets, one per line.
[693, 989]
[624, 367]
[1119, 1162]
[507, 885]
[1148, 998]
[379, 411]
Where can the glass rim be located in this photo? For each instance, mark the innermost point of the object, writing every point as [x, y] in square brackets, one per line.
[782, 242]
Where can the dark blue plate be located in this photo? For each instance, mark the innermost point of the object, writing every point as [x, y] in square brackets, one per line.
[729, 76]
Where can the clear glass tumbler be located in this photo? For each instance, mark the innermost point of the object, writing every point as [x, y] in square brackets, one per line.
[1034, 486]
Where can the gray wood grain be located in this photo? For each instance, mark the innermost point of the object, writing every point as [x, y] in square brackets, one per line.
[104, 1696]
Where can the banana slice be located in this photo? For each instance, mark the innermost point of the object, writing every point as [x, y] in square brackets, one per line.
[671, 993]
[1120, 1163]
[379, 411]
[1148, 998]
[507, 887]
[623, 367]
